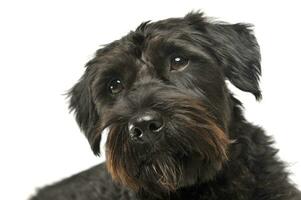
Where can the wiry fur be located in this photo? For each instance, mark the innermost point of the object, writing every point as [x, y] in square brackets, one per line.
[207, 150]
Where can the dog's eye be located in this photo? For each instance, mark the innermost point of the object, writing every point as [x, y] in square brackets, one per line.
[178, 63]
[115, 86]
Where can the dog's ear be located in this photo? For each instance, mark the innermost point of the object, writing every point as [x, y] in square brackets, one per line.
[235, 48]
[81, 102]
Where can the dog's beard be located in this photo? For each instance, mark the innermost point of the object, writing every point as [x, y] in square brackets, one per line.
[192, 149]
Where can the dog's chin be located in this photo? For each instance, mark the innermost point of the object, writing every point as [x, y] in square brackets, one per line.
[166, 173]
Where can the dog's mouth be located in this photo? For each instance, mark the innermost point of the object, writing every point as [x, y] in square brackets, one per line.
[151, 159]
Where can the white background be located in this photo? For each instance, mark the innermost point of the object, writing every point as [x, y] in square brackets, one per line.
[44, 46]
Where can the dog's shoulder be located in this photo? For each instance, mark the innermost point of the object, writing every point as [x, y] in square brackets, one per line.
[94, 183]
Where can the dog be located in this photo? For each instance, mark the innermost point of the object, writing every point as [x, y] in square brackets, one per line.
[175, 131]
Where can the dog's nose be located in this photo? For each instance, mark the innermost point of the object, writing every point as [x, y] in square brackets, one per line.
[146, 125]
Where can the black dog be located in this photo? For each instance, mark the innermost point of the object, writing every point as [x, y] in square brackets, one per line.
[175, 130]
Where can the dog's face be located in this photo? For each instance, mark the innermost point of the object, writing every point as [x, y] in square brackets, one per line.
[161, 93]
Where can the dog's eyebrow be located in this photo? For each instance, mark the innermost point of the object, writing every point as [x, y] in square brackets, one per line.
[189, 47]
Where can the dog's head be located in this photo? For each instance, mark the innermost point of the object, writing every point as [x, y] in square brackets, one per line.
[161, 93]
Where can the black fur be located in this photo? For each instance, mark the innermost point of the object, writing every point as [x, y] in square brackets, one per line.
[206, 149]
